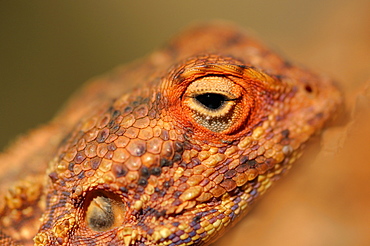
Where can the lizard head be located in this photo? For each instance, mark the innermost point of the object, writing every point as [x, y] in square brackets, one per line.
[180, 159]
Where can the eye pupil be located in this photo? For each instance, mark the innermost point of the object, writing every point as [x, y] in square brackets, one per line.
[211, 100]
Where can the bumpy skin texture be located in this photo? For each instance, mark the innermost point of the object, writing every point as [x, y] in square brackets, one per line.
[215, 120]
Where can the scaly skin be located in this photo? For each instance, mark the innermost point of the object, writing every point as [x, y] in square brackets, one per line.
[216, 119]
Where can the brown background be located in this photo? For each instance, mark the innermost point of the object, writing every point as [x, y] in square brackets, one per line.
[49, 48]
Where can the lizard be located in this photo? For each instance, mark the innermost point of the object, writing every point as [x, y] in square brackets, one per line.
[173, 149]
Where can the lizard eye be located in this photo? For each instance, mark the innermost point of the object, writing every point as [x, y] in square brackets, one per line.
[214, 102]
[103, 213]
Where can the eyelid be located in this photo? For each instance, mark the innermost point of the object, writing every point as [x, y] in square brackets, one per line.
[213, 84]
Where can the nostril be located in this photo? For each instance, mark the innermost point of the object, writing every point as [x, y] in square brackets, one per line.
[308, 89]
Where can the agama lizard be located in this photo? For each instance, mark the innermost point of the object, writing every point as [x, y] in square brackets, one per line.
[171, 150]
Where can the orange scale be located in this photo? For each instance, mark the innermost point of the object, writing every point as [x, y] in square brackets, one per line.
[142, 123]
[127, 121]
[136, 147]
[121, 141]
[146, 133]
[218, 191]
[102, 149]
[133, 163]
[70, 154]
[90, 150]
[120, 155]
[167, 149]
[103, 121]
[88, 125]
[91, 135]
[149, 159]
[141, 111]
[111, 138]
[154, 145]
[131, 132]
[81, 144]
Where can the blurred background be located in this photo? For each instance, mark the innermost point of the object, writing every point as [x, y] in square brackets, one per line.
[49, 48]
